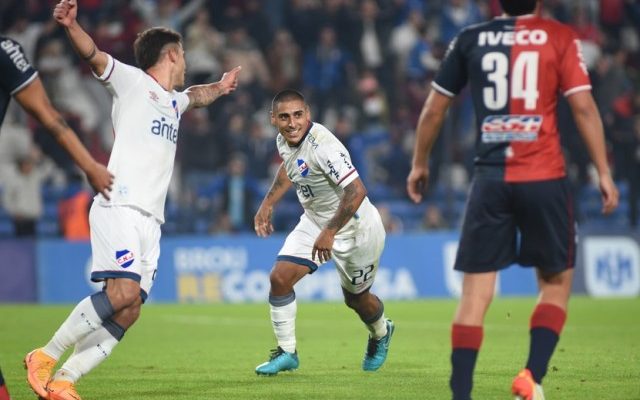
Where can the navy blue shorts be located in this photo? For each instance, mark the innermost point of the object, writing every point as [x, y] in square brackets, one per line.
[541, 212]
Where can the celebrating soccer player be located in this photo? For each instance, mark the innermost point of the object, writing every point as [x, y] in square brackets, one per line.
[20, 80]
[125, 229]
[339, 223]
[516, 65]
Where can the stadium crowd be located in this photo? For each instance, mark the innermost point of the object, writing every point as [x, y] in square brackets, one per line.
[364, 65]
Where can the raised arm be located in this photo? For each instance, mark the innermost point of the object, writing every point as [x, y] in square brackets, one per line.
[585, 112]
[34, 100]
[65, 14]
[280, 185]
[429, 124]
[203, 95]
[354, 194]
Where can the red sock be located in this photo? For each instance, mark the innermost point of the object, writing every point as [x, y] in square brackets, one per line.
[4, 393]
[547, 322]
[548, 316]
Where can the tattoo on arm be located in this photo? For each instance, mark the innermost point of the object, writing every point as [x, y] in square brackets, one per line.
[275, 187]
[347, 208]
[202, 95]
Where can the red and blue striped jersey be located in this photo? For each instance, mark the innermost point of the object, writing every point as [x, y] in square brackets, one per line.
[516, 68]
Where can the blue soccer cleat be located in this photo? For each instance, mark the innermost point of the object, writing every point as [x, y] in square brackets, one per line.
[377, 350]
[279, 360]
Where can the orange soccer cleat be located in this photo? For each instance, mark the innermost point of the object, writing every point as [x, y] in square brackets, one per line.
[62, 390]
[525, 388]
[39, 366]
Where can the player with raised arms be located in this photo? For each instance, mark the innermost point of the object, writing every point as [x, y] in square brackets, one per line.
[20, 80]
[339, 222]
[516, 65]
[125, 229]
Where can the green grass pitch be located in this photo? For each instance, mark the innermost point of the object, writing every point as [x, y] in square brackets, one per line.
[210, 352]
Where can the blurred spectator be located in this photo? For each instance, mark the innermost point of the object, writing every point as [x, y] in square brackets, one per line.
[234, 196]
[73, 210]
[21, 197]
[201, 151]
[257, 23]
[28, 32]
[327, 74]
[242, 50]
[303, 18]
[556, 9]
[372, 35]
[284, 58]
[456, 14]
[203, 47]
[392, 224]
[422, 63]
[404, 37]
[64, 83]
[432, 219]
[374, 107]
[167, 13]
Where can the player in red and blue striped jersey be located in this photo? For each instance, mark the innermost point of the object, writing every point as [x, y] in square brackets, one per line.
[516, 65]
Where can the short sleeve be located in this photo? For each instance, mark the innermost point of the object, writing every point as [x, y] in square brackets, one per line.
[335, 162]
[118, 77]
[182, 101]
[574, 76]
[452, 76]
[16, 72]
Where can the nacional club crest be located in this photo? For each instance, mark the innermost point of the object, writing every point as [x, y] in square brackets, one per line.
[124, 258]
[303, 168]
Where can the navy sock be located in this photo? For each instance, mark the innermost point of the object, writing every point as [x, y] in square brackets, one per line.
[546, 324]
[465, 344]
[543, 343]
[463, 362]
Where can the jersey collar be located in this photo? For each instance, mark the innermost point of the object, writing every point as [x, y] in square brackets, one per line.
[517, 16]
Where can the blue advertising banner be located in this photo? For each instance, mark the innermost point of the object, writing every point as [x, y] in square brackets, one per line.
[236, 269]
[17, 271]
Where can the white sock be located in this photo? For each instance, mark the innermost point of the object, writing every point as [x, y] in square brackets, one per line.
[83, 320]
[283, 319]
[378, 329]
[88, 353]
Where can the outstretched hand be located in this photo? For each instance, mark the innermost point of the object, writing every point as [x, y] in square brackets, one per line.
[66, 12]
[229, 81]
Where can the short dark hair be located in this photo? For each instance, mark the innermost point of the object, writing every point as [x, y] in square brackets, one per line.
[518, 7]
[286, 95]
[149, 45]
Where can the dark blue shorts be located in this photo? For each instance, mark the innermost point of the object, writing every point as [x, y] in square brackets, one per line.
[541, 212]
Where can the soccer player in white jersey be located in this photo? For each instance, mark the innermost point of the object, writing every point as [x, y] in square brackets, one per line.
[339, 223]
[125, 229]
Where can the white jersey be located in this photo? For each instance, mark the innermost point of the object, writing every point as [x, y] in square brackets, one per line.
[320, 168]
[145, 121]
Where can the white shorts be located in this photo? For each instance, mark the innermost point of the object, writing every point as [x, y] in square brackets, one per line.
[356, 257]
[125, 243]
